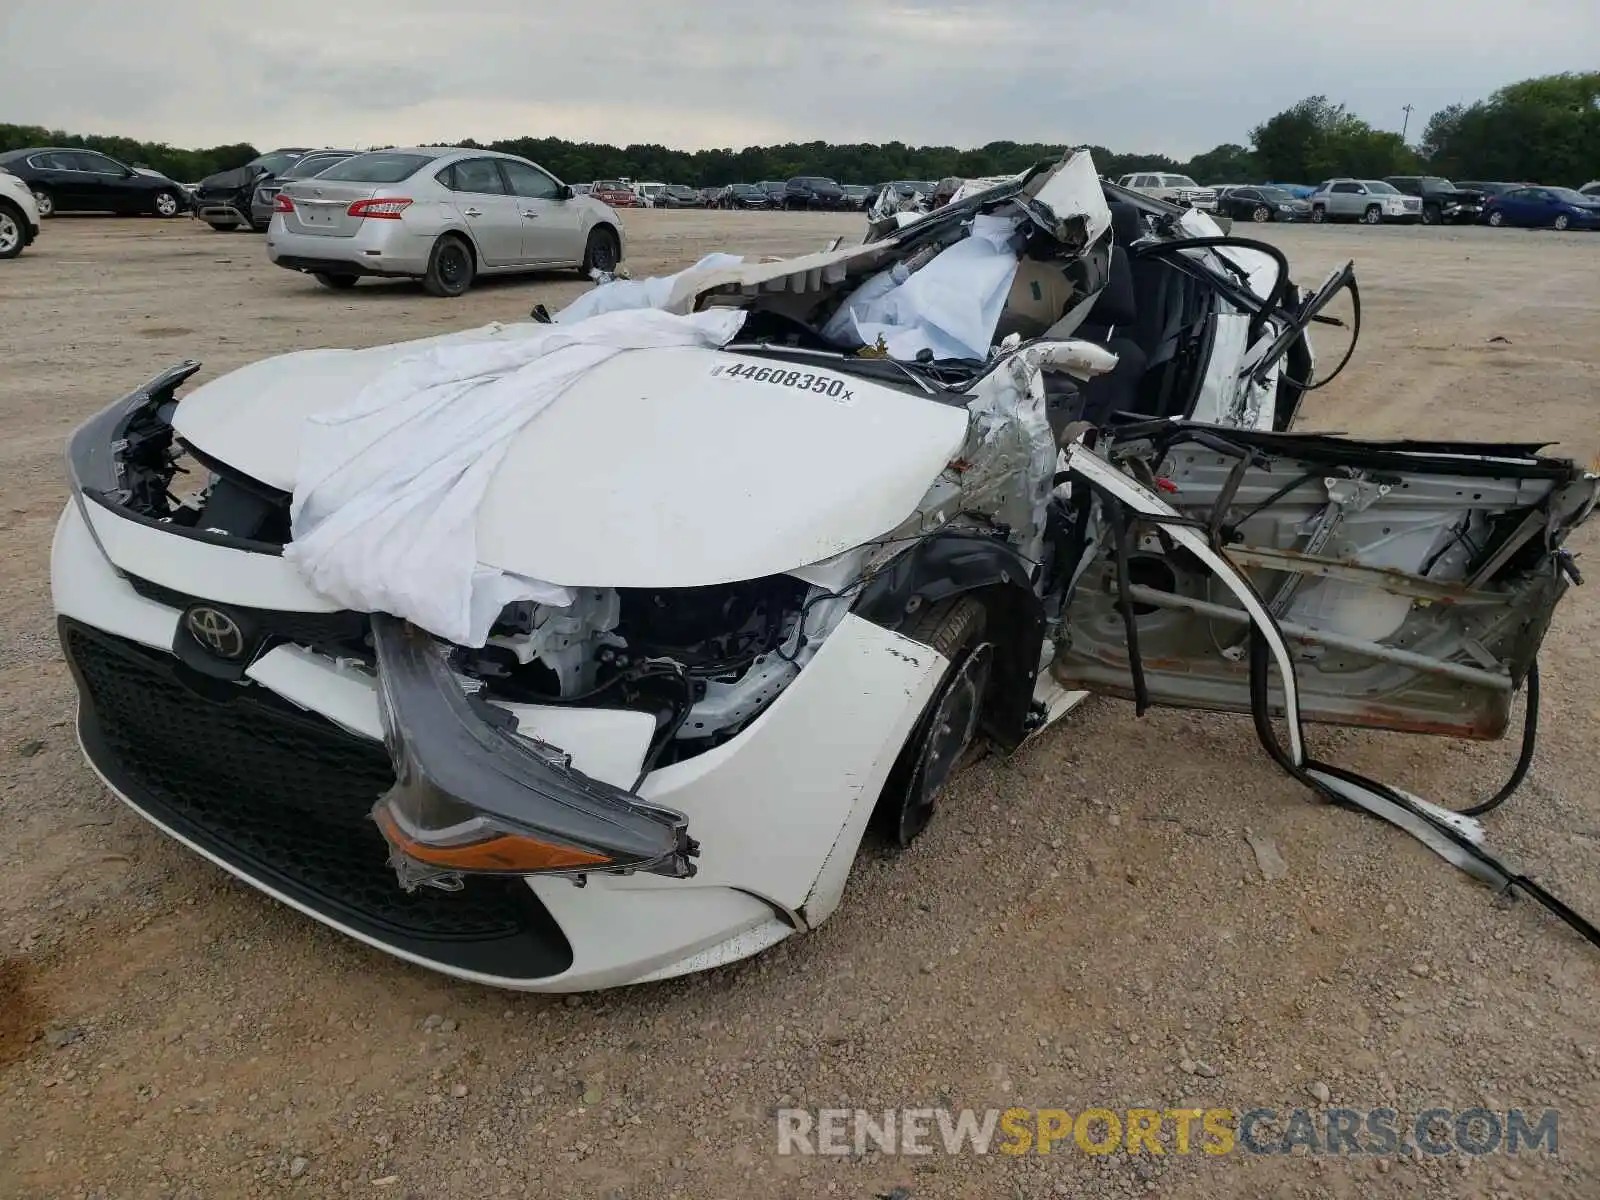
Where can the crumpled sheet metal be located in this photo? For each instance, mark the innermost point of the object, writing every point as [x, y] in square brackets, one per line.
[1010, 438]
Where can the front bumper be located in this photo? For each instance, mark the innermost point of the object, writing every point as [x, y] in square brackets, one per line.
[273, 777]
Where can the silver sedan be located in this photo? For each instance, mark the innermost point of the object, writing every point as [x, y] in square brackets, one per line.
[441, 215]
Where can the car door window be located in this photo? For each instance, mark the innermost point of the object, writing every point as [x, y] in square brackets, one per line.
[1245, 194]
[481, 175]
[97, 163]
[529, 181]
[1348, 189]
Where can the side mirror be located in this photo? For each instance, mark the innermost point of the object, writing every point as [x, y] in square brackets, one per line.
[566, 192]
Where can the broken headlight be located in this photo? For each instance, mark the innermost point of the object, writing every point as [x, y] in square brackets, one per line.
[471, 796]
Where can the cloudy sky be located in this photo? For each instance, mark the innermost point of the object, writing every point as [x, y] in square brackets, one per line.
[1148, 75]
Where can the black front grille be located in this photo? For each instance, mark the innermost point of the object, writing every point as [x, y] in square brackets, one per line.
[336, 634]
[284, 796]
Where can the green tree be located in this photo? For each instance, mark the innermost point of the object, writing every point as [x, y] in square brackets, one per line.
[1544, 130]
[1285, 144]
[185, 166]
[1227, 163]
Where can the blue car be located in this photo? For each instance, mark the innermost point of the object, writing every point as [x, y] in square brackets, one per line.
[1299, 191]
[1544, 208]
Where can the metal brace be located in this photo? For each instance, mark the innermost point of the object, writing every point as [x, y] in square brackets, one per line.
[1345, 496]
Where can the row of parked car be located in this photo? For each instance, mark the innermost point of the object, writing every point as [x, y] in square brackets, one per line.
[1404, 199]
[805, 192]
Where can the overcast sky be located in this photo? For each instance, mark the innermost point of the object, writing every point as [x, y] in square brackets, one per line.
[1135, 75]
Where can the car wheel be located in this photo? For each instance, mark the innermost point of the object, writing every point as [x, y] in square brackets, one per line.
[948, 726]
[45, 201]
[1260, 214]
[337, 282]
[1431, 215]
[165, 204]
[450, 267]
[1563, 221]
[223, 226]
[1373, 215]
[602, 252]
[1318, 214]
[1497, 218]
[12, 238]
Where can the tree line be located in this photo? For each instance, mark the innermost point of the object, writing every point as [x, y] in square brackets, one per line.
[1544, 130]
[185, 166]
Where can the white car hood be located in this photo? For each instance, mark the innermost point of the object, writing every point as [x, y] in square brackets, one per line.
[656, 469]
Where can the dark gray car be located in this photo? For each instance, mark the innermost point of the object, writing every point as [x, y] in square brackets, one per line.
[311, 164]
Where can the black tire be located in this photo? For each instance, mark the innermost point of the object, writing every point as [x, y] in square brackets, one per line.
[1372, 216]
[223, 226]
[1261, 214]
[947, 728]
[338, 283]
[1319, 214]
[13, 230]
[450, 267]
[166, 204]
[602, 252]
[1431, 215]
[45, 201]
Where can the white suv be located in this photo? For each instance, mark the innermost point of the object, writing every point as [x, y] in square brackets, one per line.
[19, 215]
[1176, 189]
[1370, 201]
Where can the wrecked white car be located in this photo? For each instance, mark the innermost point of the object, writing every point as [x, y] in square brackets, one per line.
[566, 655]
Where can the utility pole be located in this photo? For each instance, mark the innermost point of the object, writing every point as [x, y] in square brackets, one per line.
[1407, 125]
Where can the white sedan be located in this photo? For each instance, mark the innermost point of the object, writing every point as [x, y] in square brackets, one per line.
[764, 561]
[444, 216]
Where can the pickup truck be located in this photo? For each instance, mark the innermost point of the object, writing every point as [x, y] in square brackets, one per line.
[1175, 189]
[1442, 201]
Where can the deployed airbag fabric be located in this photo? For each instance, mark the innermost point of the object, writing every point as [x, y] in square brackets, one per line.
[950, 307]
[387, 489]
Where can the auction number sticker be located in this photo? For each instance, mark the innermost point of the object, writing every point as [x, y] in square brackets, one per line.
[831, 386]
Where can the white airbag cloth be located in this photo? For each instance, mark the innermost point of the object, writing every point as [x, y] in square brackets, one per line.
[388, 488]
[951, 306]
[620, 294]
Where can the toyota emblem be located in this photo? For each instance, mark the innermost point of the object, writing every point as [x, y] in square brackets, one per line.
[216, 631]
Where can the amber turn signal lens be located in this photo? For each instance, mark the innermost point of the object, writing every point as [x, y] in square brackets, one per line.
[504, 853]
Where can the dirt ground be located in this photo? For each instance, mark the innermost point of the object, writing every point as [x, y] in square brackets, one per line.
[1084, 925]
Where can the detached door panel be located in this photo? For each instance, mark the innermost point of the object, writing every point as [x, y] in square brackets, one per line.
[1414, 581]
